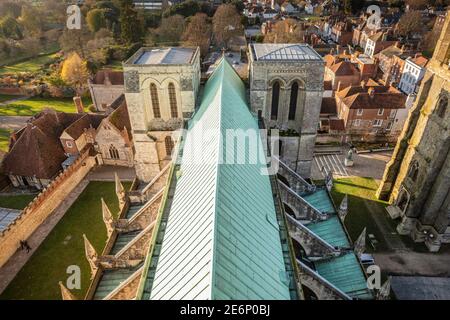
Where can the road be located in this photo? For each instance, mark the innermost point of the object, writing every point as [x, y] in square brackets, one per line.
[12, 122]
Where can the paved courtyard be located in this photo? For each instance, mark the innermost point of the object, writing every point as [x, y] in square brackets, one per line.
[13, 122]
[365, 165]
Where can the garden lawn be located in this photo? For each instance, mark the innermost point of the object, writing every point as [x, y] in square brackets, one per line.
[31, 65]
[64, 246]
[4, 139]
[35, 105]
[362, 207]
[5, 97]
[18, 202]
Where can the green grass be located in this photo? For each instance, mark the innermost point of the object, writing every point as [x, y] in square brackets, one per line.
[361, 203]
[64, 247]
[363, 207]
[49, 49]
[35, 105]
[31, 65]
[4, 139]
[5, 97]
[114, 65]
[16, 202]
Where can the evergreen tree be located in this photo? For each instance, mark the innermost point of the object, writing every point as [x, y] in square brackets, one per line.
[347, 6]
[130, 26]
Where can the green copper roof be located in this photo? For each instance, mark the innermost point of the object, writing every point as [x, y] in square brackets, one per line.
[320, 200]
[221, 240]
[331, 231]
[345, 271]
[346, 274]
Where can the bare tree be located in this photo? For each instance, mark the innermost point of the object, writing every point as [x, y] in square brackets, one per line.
[417, 4]
[198, 32]
[171, 29]
[286, 31]
[409, 23]
[226, 24]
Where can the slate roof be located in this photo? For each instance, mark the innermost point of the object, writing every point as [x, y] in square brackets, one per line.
[221, 239]
[284, 52]
[37, 150]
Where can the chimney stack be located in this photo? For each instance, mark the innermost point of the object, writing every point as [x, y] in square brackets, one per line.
[78, 104]
[107, 81]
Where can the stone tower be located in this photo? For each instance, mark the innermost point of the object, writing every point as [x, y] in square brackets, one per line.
[286, 87]
[161, 86]
[417, 179]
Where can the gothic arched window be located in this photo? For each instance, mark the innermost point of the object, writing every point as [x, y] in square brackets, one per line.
[442, 106]
[169, 145]
[173, 101]
[275, 100]
[155, 101]
[293, 101]
[113, 153]
[414, 171]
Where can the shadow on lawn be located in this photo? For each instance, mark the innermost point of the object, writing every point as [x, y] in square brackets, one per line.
[17, 110]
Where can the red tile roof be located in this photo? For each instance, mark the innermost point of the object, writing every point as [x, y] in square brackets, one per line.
[328, 106]
[372, 97]
[37, 150]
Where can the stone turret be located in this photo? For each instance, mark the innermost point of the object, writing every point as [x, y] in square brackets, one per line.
[91, 256]
[120, 192]
[65, 293]
[108, 219]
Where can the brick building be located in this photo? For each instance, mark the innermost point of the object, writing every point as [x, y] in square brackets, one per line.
[369, 109]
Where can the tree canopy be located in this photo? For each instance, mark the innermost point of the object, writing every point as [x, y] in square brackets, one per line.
[74, 72]
[226, 24]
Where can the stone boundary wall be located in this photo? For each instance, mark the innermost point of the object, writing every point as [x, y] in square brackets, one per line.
[14, 91]
[43, 206]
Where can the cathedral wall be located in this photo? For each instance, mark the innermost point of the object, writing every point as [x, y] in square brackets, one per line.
[307, 74]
